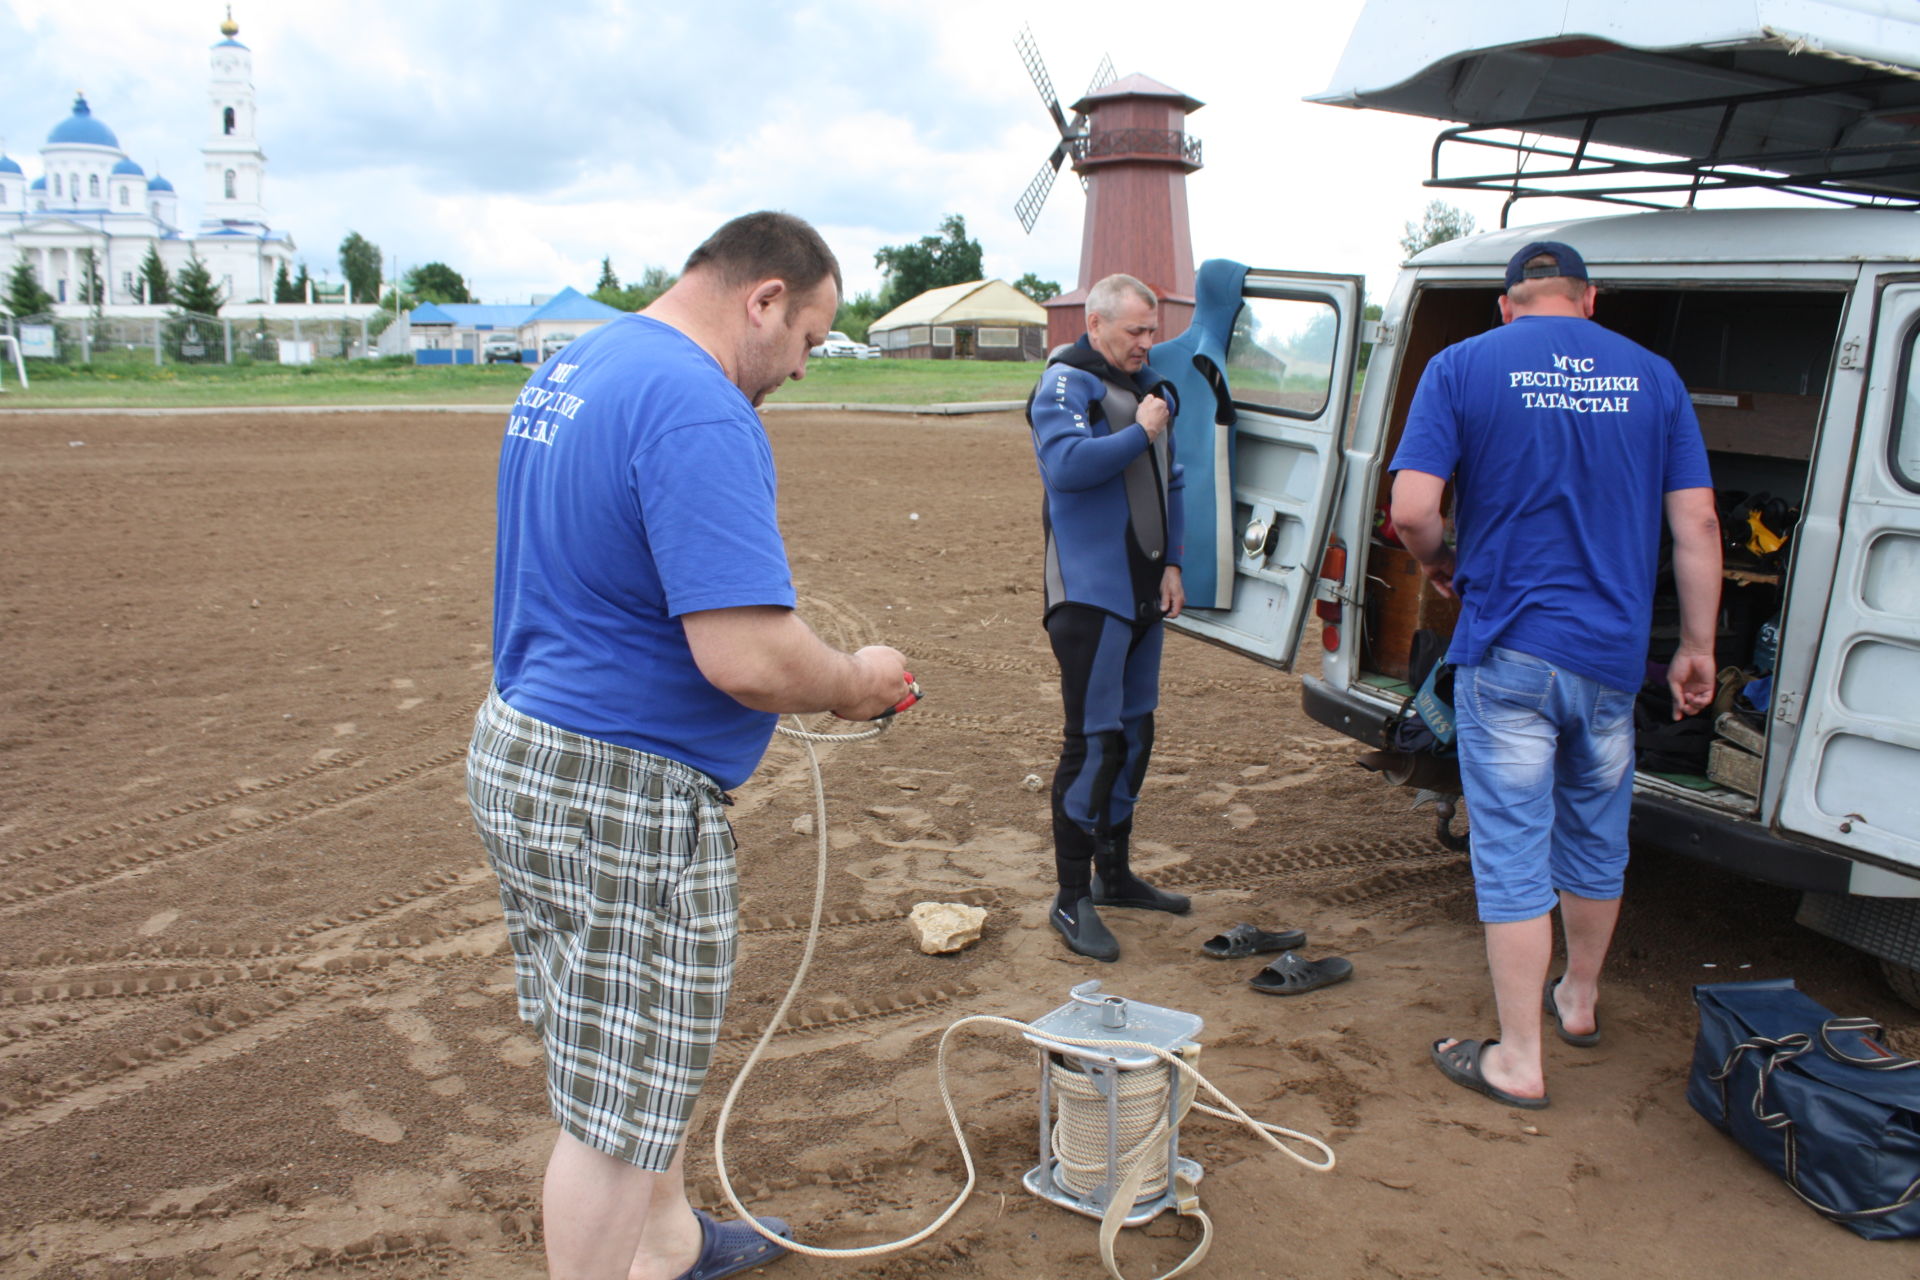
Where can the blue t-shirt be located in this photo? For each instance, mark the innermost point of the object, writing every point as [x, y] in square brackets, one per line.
[636, 485]
[1563, 439]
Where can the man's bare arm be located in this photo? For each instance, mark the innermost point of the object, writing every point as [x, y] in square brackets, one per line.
[1696, 576]
[1422, 527]
[768, 658]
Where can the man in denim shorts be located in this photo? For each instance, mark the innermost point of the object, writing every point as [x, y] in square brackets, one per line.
[644, 641]
[1566, 444]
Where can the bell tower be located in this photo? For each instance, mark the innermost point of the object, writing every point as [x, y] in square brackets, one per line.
[236, 168]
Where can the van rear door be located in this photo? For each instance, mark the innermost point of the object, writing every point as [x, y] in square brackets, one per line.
[1289, 358]
[1854, 780]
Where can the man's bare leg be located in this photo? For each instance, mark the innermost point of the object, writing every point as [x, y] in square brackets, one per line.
[670, 1242]
[1517, 955]
[608, 1220]
[1588, 924]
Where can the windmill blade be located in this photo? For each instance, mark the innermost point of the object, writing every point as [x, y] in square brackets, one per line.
[1037, 69]
[1027, 207]
[1102, 75]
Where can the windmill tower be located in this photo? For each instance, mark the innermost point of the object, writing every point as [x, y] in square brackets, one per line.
[1128, 143]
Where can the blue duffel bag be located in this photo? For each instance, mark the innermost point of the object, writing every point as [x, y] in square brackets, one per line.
[1819, 1098]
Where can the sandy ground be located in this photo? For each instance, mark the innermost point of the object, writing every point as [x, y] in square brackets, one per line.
[255, 1008]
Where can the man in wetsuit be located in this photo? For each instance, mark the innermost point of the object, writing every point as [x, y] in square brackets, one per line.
[1102, 423]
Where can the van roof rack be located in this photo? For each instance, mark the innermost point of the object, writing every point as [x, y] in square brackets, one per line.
[1651, 104]
[1558, 156]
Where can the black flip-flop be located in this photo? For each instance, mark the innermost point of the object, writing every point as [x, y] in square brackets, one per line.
[1251, 940]
[1551, 1006]
[1292, 976]
[1460, 1063]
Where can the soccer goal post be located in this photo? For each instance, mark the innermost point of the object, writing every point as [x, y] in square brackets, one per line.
[11, 344]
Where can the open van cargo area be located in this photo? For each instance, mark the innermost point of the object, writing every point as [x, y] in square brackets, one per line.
[1756, 362]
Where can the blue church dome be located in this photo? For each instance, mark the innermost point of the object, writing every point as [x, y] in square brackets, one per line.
[81, 127]
[159, 183]
[129, 167]
[9, 165]
[38, 184]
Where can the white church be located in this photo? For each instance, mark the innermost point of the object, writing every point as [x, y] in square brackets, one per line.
[91, 195]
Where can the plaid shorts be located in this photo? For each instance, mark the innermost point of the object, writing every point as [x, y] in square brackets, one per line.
[617, 876]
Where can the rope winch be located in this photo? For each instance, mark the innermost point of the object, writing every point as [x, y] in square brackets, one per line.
[1116, 1079]
[1110, 1106]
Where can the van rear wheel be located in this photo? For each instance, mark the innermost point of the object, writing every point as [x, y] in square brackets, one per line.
[1905, 981]
[1444, 812]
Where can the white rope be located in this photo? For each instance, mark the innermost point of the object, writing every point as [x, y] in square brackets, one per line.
[1173, 1062]
[1796, 45]
[799, 731]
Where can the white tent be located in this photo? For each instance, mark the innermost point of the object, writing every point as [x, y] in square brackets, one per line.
[980, 320]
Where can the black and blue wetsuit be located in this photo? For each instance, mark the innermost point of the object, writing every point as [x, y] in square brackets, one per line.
[1112, 516]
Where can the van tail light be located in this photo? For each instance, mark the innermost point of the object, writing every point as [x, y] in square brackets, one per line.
[1333, 566]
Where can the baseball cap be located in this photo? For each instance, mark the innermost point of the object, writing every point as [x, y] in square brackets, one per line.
[1567, 262]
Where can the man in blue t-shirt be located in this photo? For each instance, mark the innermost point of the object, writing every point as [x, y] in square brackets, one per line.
[644, 643]
[1566, 445]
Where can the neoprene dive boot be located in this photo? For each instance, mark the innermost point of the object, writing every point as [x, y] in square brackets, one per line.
[1115, 885]
[1083, 931]
[1072, 915]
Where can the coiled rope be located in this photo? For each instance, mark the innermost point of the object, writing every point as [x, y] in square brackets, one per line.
[1070, 1141]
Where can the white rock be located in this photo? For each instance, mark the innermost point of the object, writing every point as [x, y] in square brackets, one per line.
[946, 926]
[1033, 782]
[803, 824]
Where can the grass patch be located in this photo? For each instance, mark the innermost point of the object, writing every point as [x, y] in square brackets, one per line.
[135, 383]
[888, 381]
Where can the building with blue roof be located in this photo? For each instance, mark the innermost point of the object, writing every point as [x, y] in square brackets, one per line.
[91, 196]
[479, 333]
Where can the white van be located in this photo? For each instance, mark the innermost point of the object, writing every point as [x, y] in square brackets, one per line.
[1796, 330]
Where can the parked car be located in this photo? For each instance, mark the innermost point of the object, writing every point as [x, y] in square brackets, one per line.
[501, 348]
[1797, 333]
[553, 342]
[839, 346]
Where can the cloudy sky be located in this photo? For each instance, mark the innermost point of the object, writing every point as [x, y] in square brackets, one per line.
[520, 143]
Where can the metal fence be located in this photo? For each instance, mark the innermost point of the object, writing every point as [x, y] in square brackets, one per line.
[182, 337]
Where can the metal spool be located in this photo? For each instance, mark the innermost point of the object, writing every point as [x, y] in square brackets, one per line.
[1109, 1105]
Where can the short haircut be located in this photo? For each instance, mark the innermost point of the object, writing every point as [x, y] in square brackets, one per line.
[1105, 297]
[1527, 292]
[768, 245]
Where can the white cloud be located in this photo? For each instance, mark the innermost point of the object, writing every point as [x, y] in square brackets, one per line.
[522, 143]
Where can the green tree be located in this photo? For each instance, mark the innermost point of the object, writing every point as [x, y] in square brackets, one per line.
[360, 264]
[301, 283]
[608, 280]
[283, 290]
[933, 261]
[25, 297]
[856, 314]
[1036, 288]
[436, 282]
[193, 289]
[93, 290]
[153, 277]
[1439, 223]
[654, 281]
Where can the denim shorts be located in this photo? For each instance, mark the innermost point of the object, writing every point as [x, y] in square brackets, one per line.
[1546, 760]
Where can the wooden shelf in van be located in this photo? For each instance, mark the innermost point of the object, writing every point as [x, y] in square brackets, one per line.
[1768, 423]
[1403, 601]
